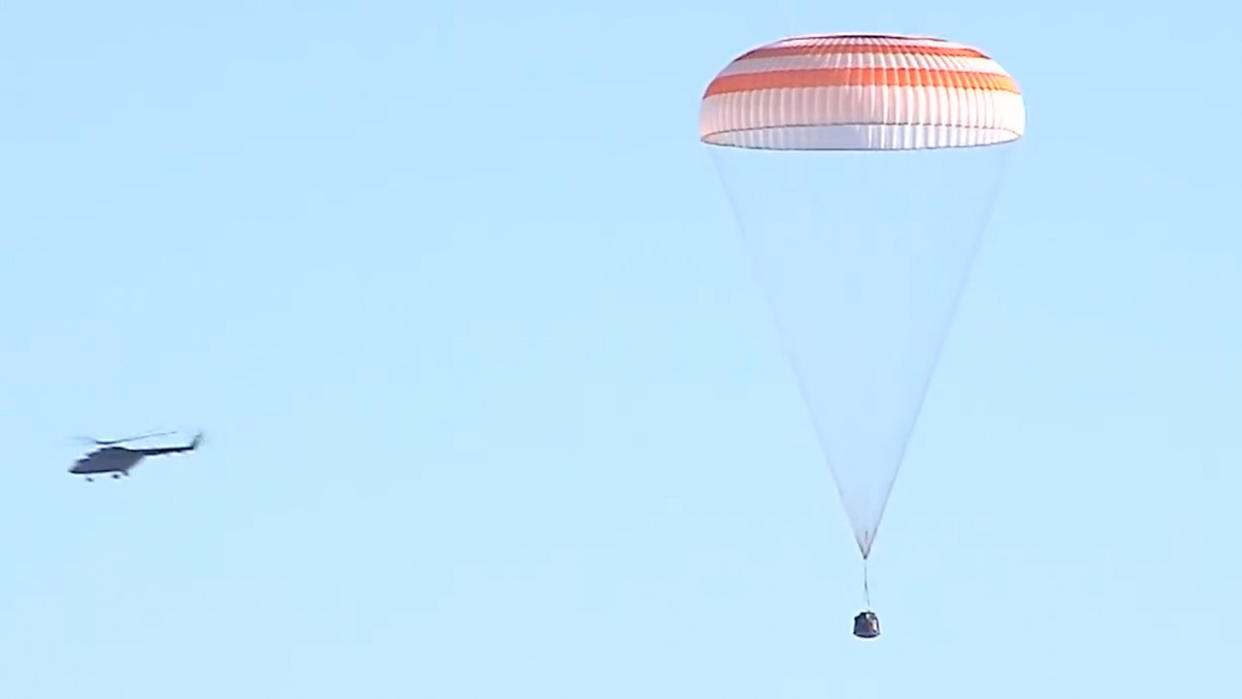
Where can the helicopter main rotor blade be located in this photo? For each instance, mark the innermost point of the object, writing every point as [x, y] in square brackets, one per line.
[109, 442]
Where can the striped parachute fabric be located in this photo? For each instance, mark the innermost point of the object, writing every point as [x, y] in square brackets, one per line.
[861, 92]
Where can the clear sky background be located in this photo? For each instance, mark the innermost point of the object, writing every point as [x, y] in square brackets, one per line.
[494, 407]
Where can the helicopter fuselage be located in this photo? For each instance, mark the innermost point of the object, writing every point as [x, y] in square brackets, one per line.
[119, 460]
[108, 460]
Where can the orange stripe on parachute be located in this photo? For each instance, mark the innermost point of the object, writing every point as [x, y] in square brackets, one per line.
[862, 77]
[843, 47]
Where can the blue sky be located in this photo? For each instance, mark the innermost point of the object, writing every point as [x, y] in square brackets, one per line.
[495, 408]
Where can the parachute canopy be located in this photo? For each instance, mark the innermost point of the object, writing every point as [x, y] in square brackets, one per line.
[854, 165]
[861, 92]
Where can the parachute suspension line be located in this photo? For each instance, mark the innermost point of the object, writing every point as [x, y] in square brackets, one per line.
[866, 591]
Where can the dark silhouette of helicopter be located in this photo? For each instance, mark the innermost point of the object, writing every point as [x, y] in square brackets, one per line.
[118, 460]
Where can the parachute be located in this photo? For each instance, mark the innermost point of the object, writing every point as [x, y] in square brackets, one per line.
[861, 168]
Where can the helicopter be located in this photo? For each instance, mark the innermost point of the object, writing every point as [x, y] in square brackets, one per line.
[118, 460]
